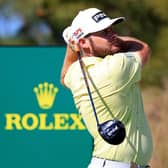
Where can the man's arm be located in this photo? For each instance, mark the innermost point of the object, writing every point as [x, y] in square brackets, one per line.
[133, 44]
[70, 57]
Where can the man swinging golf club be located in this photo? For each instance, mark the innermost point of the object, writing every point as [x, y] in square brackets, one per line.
[102, 70]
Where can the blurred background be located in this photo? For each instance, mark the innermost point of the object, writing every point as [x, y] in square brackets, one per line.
[41, 22]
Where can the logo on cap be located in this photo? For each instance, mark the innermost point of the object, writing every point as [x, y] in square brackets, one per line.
[99, 16]
[77, 34]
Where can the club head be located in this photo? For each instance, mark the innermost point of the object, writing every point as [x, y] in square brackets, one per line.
[112, 131]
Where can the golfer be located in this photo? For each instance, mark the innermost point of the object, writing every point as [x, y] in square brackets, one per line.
[114, 63]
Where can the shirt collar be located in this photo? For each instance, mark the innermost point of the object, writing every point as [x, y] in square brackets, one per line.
[91, 60]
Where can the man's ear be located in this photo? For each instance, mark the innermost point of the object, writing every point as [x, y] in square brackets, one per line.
[82, 43]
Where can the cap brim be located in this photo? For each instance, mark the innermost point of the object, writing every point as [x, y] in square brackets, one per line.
[107, 23]
[117, 20]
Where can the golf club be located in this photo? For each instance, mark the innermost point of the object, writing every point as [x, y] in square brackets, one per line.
[112, 131]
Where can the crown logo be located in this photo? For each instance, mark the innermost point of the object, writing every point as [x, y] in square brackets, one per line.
[45, 94]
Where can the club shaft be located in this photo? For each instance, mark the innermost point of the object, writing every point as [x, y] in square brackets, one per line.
[88, 88]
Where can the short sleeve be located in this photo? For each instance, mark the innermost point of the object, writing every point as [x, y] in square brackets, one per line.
[67, 78]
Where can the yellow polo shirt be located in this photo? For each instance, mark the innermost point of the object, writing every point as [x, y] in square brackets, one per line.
[116, 77]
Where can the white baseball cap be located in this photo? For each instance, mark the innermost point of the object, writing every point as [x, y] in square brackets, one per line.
[88, 21]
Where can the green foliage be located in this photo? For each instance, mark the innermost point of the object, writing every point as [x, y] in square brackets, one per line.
[159, 7]
[145, 19]
[157, 70]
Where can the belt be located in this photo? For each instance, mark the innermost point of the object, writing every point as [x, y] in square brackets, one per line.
[99, 162]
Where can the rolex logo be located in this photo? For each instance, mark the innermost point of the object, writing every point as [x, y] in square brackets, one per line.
[45, 94]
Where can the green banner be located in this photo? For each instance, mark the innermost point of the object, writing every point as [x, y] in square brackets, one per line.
[39, 124]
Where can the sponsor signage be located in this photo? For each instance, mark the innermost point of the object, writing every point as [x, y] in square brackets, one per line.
[39, 124]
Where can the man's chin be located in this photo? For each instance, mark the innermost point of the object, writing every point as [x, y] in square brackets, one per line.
[115, 50]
